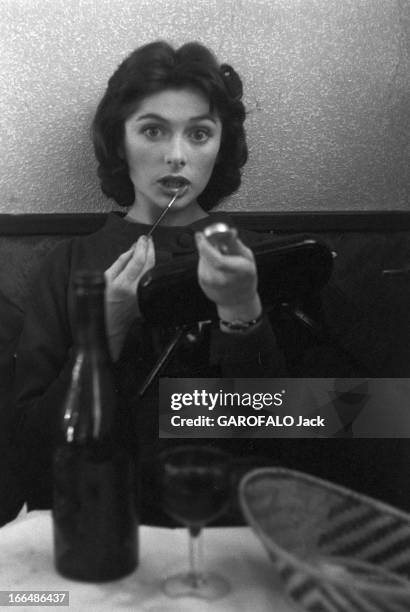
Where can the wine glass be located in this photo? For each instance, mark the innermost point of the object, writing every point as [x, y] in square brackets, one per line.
[195, 484]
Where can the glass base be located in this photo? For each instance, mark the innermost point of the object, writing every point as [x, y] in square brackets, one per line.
[207, 585]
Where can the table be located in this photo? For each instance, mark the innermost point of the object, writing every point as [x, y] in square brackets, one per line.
[26, 563]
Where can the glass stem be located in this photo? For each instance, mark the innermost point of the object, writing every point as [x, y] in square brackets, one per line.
[195, 556]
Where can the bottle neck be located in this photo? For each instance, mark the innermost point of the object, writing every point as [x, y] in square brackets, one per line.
[90, 319]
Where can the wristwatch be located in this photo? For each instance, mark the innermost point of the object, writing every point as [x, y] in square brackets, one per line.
[239, 325]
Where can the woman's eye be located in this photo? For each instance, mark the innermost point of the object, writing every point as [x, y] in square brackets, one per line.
[200, 135]
[152, 132]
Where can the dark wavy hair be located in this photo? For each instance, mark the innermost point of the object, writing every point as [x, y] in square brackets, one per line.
[151, 69]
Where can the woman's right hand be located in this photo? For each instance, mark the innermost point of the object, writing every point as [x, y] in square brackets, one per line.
[121, 303]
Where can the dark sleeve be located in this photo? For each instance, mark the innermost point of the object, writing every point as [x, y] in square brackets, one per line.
[42, 373]
[250, 354]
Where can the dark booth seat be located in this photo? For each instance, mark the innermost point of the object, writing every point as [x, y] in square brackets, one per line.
[367, 311]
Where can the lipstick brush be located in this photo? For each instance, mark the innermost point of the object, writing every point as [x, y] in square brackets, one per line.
[179, 193]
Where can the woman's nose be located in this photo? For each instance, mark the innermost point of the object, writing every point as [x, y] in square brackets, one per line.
[175, 155]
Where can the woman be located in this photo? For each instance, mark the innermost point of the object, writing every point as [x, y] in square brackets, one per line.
[170, 121]
[177, 124]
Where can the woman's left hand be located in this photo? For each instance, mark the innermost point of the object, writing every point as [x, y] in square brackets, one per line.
[229, 280]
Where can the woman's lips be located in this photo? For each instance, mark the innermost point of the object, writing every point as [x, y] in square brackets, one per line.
[174, 182]
[173, 186]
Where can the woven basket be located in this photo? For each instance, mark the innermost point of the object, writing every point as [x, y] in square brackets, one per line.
[335, 550]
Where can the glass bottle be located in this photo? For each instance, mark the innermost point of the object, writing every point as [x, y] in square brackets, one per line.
[94, 497]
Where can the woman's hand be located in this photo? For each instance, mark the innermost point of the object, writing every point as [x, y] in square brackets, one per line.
[122, 278]
[229, 280]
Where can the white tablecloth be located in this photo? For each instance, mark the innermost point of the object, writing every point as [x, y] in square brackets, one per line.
[26, 563]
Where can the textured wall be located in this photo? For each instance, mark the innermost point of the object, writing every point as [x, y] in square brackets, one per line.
[327, 87]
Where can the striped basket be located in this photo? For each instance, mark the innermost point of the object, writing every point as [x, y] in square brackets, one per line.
[335, 550]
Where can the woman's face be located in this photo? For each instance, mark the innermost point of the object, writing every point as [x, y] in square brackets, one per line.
[171, 141]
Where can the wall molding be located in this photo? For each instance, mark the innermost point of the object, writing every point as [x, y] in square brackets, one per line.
[340, 221]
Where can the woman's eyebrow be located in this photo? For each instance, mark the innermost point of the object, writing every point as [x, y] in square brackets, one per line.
[155, 117]
[203, 118]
